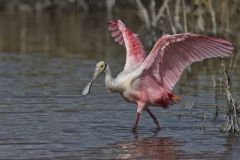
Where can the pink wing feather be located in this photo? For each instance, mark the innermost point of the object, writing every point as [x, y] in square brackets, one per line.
[171, 54]
[123, 36]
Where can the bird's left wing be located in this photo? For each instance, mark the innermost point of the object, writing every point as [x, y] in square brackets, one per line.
[171, 54]
[122, 35]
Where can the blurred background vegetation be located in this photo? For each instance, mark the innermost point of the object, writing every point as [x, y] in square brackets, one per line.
[73, 26]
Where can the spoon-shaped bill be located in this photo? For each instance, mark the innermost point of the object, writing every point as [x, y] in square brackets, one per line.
[86, 90]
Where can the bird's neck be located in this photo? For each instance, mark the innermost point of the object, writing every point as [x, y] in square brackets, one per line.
[108, 78]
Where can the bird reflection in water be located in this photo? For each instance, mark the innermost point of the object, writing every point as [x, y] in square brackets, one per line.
[147, 148]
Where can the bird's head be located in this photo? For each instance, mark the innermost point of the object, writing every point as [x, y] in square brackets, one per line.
[100, 68]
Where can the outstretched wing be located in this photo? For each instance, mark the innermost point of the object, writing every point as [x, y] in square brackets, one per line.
[123, 36]
[171, 54]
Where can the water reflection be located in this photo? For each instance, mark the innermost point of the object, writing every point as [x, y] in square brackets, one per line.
[157, 147]
[49, 32]
[230, 150]
[55, 32]
[147, 148]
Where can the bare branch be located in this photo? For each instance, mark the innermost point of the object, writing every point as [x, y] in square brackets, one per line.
[214, 29]
[235, 62]
[110, 4]
[170, 19]
[200, 21]
[153, 10]
[160, 12]
[215, 97]
[227, 19]
[176, 17]
[144, 13]
[184, 16]
[232, 123]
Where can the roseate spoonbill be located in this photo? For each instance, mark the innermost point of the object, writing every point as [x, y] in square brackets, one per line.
[149, 80]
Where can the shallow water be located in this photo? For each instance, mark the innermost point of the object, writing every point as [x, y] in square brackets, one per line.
[44, 116]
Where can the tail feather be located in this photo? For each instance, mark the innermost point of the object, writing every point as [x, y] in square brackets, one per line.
[175, 99]
[168, 99]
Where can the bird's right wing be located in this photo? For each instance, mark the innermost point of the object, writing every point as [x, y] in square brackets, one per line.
[122, 35]
[171, 54]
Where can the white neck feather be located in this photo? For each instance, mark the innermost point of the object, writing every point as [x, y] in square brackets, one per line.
[108, 77]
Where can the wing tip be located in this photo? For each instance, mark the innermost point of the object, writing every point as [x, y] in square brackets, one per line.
[116, 26]
[116, 22]
[112, 22]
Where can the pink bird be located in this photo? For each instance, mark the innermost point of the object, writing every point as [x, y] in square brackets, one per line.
[149, 80]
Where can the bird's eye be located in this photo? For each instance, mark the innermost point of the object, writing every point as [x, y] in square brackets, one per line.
[101, 66]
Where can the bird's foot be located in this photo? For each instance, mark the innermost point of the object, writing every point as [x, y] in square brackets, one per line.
[157, 124]
[158, 127]
[134, 128]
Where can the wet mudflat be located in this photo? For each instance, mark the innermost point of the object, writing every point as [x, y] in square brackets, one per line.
[43, 69]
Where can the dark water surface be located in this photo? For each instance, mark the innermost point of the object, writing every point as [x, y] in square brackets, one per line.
[44, 116]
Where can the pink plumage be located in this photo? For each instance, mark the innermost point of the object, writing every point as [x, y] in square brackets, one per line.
[150, 80]
[123, 36]
[172, 54]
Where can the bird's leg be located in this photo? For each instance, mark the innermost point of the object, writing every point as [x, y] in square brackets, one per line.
[135, 123]
[153, 117]
[140, 107]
